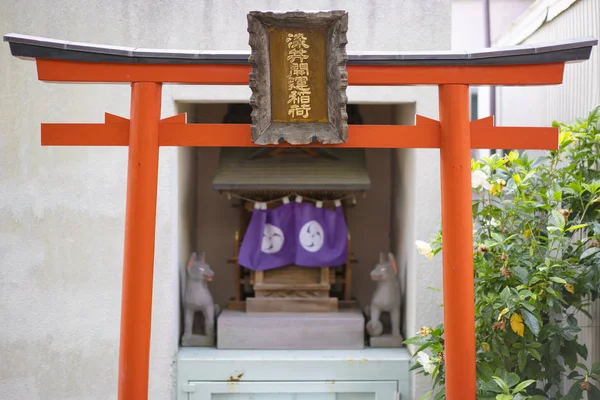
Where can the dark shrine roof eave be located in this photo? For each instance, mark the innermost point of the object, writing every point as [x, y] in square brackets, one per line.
[32, 47]
[291, 188]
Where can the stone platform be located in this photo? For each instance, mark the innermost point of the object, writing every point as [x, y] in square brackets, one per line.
[343, 330]
[386, 341]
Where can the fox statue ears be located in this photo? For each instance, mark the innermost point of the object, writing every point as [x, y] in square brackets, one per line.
[191, 261]
[392, 261]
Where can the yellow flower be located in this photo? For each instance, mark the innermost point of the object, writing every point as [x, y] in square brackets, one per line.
[424, 331]
[495, 189]
[527, 233]
[569, 287]
[516, 323]
[485, 346]
[424, 249]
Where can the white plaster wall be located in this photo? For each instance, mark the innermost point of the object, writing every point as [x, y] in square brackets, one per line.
[468, 32]
[468, 20]
[62, 209]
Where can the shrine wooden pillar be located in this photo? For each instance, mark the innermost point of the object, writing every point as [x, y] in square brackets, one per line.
[457, 239]
[140, 223]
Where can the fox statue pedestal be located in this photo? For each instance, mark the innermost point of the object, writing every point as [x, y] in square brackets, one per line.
[386, 299]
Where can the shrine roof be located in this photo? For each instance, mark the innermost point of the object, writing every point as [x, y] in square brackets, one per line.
[32, 47]
[249, 169]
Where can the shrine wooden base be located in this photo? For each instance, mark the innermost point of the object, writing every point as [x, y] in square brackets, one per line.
[238, 330]
[292, 289]
[342, 305]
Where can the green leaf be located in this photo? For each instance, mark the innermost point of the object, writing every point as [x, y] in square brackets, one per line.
[523, 385]
[593, 393]
[522, 360]
[559, 220]
[521, 273]
[535, 354]
[503, 396]
[512, 379]
[582, 366]
[575, 227]
[582, 351]
[571, 320]
[554, 347]
[491, 386]
[505, 294]
[558, 280]
[595, 367]
[532, 322]
[573, 374]
[497, 237]
[418, 340]
[589, 252]
[574, 392]
[501, 384]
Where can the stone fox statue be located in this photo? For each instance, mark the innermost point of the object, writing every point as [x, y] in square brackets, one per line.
[197, 297]
[386, 297]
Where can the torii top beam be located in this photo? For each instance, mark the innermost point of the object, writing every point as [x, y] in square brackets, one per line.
[64, 61]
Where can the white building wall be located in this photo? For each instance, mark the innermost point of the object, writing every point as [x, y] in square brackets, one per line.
[469, 32]
[62, 209]
[468, 20]
[580, 91]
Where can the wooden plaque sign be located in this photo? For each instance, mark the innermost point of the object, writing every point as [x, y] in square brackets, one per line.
[298, 77]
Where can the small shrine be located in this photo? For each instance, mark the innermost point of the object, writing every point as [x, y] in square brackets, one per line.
[266, 177]
[274, 180]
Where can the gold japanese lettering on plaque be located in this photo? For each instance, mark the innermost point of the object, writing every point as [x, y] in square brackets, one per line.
[298, 78]
[298, 75]
[299, 91]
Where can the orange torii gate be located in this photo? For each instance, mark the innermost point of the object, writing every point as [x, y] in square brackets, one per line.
[144, 132]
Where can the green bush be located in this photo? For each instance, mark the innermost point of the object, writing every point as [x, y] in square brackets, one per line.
[537, 264]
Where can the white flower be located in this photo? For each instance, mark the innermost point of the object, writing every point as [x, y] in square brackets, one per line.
[424, 249]
[479, 178]
[493, 222]
[425, 361]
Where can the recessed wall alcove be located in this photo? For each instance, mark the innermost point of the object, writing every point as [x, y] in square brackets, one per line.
[379, 221]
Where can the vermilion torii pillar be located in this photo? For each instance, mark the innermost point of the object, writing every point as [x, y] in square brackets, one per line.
[455, 135]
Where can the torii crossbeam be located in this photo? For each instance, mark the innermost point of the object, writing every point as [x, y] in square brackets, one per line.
[144, 132]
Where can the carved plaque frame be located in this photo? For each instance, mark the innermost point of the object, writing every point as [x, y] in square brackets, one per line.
[264, 130]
